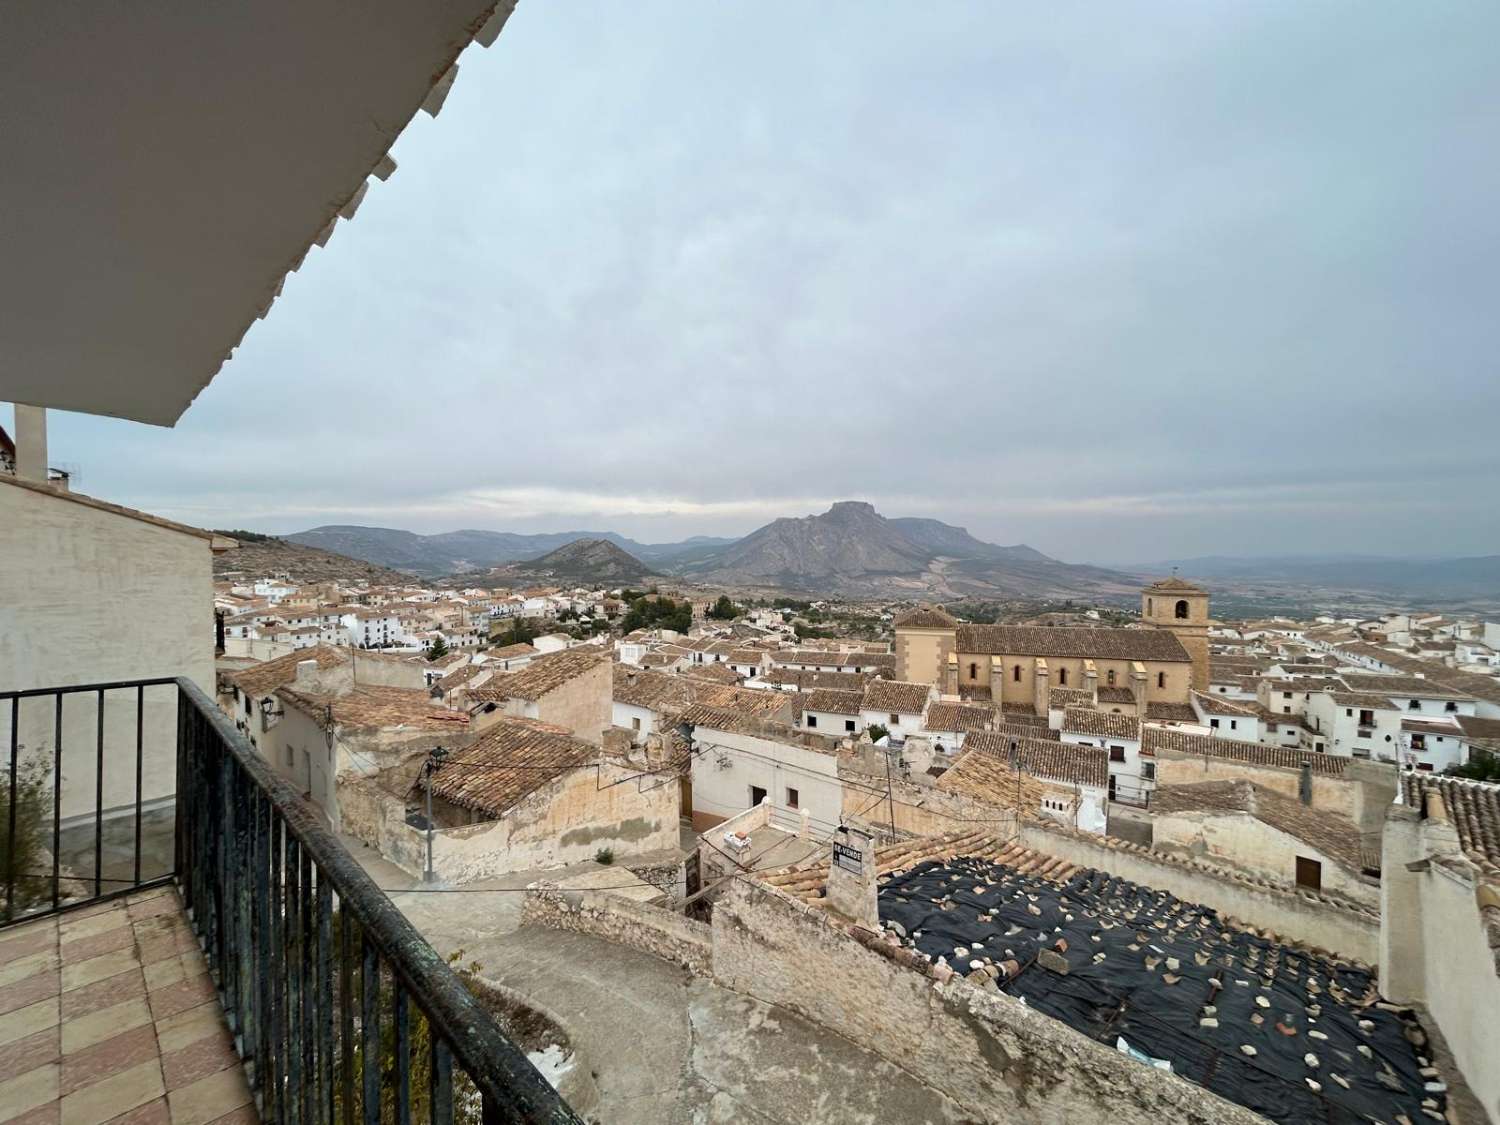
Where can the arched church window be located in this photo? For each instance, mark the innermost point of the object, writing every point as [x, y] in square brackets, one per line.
[1181, 611]
[1062, 677]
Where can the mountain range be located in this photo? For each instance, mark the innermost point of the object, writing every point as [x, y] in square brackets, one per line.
[850, 549]
[1434, 580]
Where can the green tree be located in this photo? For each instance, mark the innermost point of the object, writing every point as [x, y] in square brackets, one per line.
[647, 612]
[520, 632]
[1480, 767]
[23, 860]
[876, 731]
[439, 648]
[723, 609]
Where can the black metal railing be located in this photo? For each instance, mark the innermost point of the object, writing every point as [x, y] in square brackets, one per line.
[339, 1009]
[79, 822]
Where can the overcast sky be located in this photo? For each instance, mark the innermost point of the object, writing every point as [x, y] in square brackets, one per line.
[1121, 284]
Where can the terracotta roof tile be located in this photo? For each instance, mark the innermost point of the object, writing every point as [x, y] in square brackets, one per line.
[1217, 705]
[371, 706]
[1334, 835]
[896, 697]
[1472, 806]
[960, 717]
[833, 702]
[546, 673]
[1171, 713]
[1061, 698]
[926, 617]
[263, 679]
[1101, 724]
[511, 760]
[1155, 739]
[655, 691]
[1056, 761]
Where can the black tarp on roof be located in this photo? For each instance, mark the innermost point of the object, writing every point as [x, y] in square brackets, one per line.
[1280, 1001]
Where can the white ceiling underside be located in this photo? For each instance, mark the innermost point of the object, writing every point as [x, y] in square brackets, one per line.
[164, 163]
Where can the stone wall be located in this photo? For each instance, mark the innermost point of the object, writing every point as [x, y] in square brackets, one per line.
[669, 878]
[998, 1059]
[650, 929]
[1318, 920]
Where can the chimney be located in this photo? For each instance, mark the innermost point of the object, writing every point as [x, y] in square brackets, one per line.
[307, 675]
[31, 443]
[1304, 784]
[852, 890]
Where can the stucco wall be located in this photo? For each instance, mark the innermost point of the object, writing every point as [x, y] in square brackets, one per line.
[918, 810]
[1362, 794]
[922, 656]
[1435, 947]
[88, 596]
[998, 1059]
[1248, 844]
[1316, 920]
[566, 821]
[651, 929]
[732, 762]
[1331, 794]
[584, 704]
[1175, 690]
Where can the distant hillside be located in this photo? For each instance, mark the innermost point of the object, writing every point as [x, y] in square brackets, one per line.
[849, 540]
[955, 542]
[587, 561]
[1420, 581]
[852, 549]
[264, 555]
[454, 552]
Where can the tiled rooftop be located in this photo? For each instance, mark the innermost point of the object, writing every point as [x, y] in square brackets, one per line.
[107, 1014]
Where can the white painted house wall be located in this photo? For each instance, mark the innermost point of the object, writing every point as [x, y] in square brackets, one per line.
[832, 723]
[727, 765]
[89, 595]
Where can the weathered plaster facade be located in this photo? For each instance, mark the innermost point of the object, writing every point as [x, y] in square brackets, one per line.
[568, 820]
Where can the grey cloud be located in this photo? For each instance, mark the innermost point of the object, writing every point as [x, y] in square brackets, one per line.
[1071, 277]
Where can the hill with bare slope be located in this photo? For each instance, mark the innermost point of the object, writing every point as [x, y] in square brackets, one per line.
[587, 561]
[259, 556]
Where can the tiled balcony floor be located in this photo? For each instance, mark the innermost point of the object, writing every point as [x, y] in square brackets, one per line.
[108, 1014]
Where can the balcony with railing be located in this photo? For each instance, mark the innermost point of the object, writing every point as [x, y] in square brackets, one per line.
[205, 945]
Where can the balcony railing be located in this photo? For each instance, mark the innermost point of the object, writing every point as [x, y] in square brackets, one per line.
[339, 1009]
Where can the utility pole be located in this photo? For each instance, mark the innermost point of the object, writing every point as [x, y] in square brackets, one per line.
[429, 767]
[889, 795]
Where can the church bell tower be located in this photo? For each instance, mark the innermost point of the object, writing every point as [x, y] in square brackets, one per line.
[1180, 607]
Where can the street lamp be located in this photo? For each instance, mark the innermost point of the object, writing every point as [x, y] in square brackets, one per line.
[429, 768]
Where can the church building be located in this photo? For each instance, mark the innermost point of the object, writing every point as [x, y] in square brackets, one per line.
[1149, 672]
